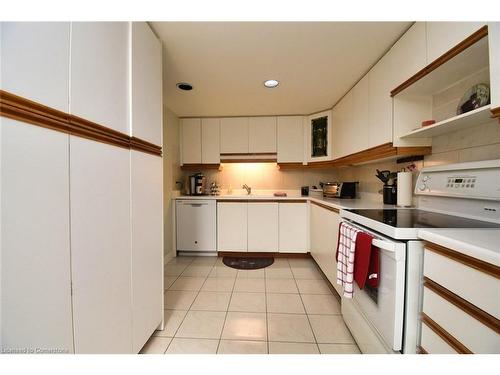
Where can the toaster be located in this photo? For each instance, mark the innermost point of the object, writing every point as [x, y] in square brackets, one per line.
[339, 189]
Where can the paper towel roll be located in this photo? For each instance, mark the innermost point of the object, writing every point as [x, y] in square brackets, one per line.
[405, 189]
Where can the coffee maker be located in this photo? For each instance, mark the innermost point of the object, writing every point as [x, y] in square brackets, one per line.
[197, 184]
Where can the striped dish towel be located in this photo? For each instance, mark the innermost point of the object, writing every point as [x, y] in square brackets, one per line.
[345, 257]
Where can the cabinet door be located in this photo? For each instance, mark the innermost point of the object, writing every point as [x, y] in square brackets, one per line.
[35, 57]
[494, 49]
[99, 73]
[210, 141]
[263, 227]
[147, 246]
[290, 145]
[359, 128]
[232, 219]
[147, 106]
[324, 236]
[191, 141]
[443, 36]
[293, 224]
[342, 125]
[34, 240]
[100, 247]
[262, 134]
[234, 135]
[381, 82]
[409, 53]
[319, 144]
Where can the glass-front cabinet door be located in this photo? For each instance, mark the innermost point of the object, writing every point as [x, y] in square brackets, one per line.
[319, 135]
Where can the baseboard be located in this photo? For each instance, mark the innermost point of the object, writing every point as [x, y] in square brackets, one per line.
[262, 254]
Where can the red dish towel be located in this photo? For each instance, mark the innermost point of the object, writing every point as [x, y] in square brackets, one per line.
[366, 261]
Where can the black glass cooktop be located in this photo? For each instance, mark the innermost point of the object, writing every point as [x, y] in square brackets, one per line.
[413, 218]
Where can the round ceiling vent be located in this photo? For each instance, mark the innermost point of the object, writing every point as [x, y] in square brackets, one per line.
[271, 83]
[184, 86]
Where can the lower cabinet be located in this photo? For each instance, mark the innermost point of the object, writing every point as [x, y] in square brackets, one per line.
[232, 219]
[263, 227]
[324, 229]
[293, 228]
[100, 247]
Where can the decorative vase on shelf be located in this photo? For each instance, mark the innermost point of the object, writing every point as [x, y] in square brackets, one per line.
[475, 97]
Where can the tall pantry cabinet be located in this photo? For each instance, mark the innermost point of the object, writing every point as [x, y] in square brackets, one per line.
[81, 223]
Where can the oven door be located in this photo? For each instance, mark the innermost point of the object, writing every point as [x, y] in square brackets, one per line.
[383, 307]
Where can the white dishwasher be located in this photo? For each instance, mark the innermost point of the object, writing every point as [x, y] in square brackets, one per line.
[196, 221]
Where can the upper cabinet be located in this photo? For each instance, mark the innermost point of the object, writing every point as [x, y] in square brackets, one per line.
[409, 53]
[210, 141]
[290, 142]
[359, 128]
[99, 73]
[35, 61]
[262, 135]
[234, 135]
[190, 133]
[443, 36]
[146, 79]
[494, 54]
[381, 82]
[319, 137]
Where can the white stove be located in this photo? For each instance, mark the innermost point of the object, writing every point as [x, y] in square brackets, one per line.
[465, 195]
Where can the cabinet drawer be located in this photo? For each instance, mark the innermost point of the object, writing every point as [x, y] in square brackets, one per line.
[465, 328]
[446, 267]
[432, 343]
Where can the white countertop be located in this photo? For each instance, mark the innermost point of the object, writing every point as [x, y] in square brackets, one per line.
[483, 244]
[332, 202]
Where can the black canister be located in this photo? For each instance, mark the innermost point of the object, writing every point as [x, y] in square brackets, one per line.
[390, 193]
[304, 191]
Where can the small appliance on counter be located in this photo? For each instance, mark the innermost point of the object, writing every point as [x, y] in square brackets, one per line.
[390, 189]
[196, 184]
[304, 191]
[338, 189]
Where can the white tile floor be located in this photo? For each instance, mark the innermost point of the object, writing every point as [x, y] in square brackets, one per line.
[286, 308]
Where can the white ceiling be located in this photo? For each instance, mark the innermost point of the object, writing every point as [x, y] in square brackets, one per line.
[226, 62]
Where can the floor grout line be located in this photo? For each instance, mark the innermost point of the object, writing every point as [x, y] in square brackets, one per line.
[225, 316]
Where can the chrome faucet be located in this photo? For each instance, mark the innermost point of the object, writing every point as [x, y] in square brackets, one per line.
[247, 188]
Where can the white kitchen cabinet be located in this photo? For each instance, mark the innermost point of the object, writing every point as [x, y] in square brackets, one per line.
[35, 241]
[359, 128]
[234, 135]
[324, 229]
[146, 76]
[263, 227]
[232, 220]
[381, 81]
[443, 36]
[262, 134]
[409, 53]
[100, 247]
[290, 139]
[342, 116]
[316, 124]
[494, 52]
[210, 141]
[190, 141]
[293, 228]
[196, 225]
[35, 61]
[100, 73]
[147, 245]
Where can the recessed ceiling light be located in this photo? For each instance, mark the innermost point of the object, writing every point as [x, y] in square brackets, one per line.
[271, 83]
[184, 86]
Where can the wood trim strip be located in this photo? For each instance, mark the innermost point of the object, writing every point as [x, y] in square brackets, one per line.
[460, 47]
[291, 165]
[495, 112]
[421, 350]
[256, 200]
[24, 110]
[467, 260]
[251, 254]
[199, 166]
[464, 305]
[329, 208]
[441, 332]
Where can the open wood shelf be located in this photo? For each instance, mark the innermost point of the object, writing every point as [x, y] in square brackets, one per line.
[465, 120]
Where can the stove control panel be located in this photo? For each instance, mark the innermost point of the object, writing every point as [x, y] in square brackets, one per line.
[476, 180]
